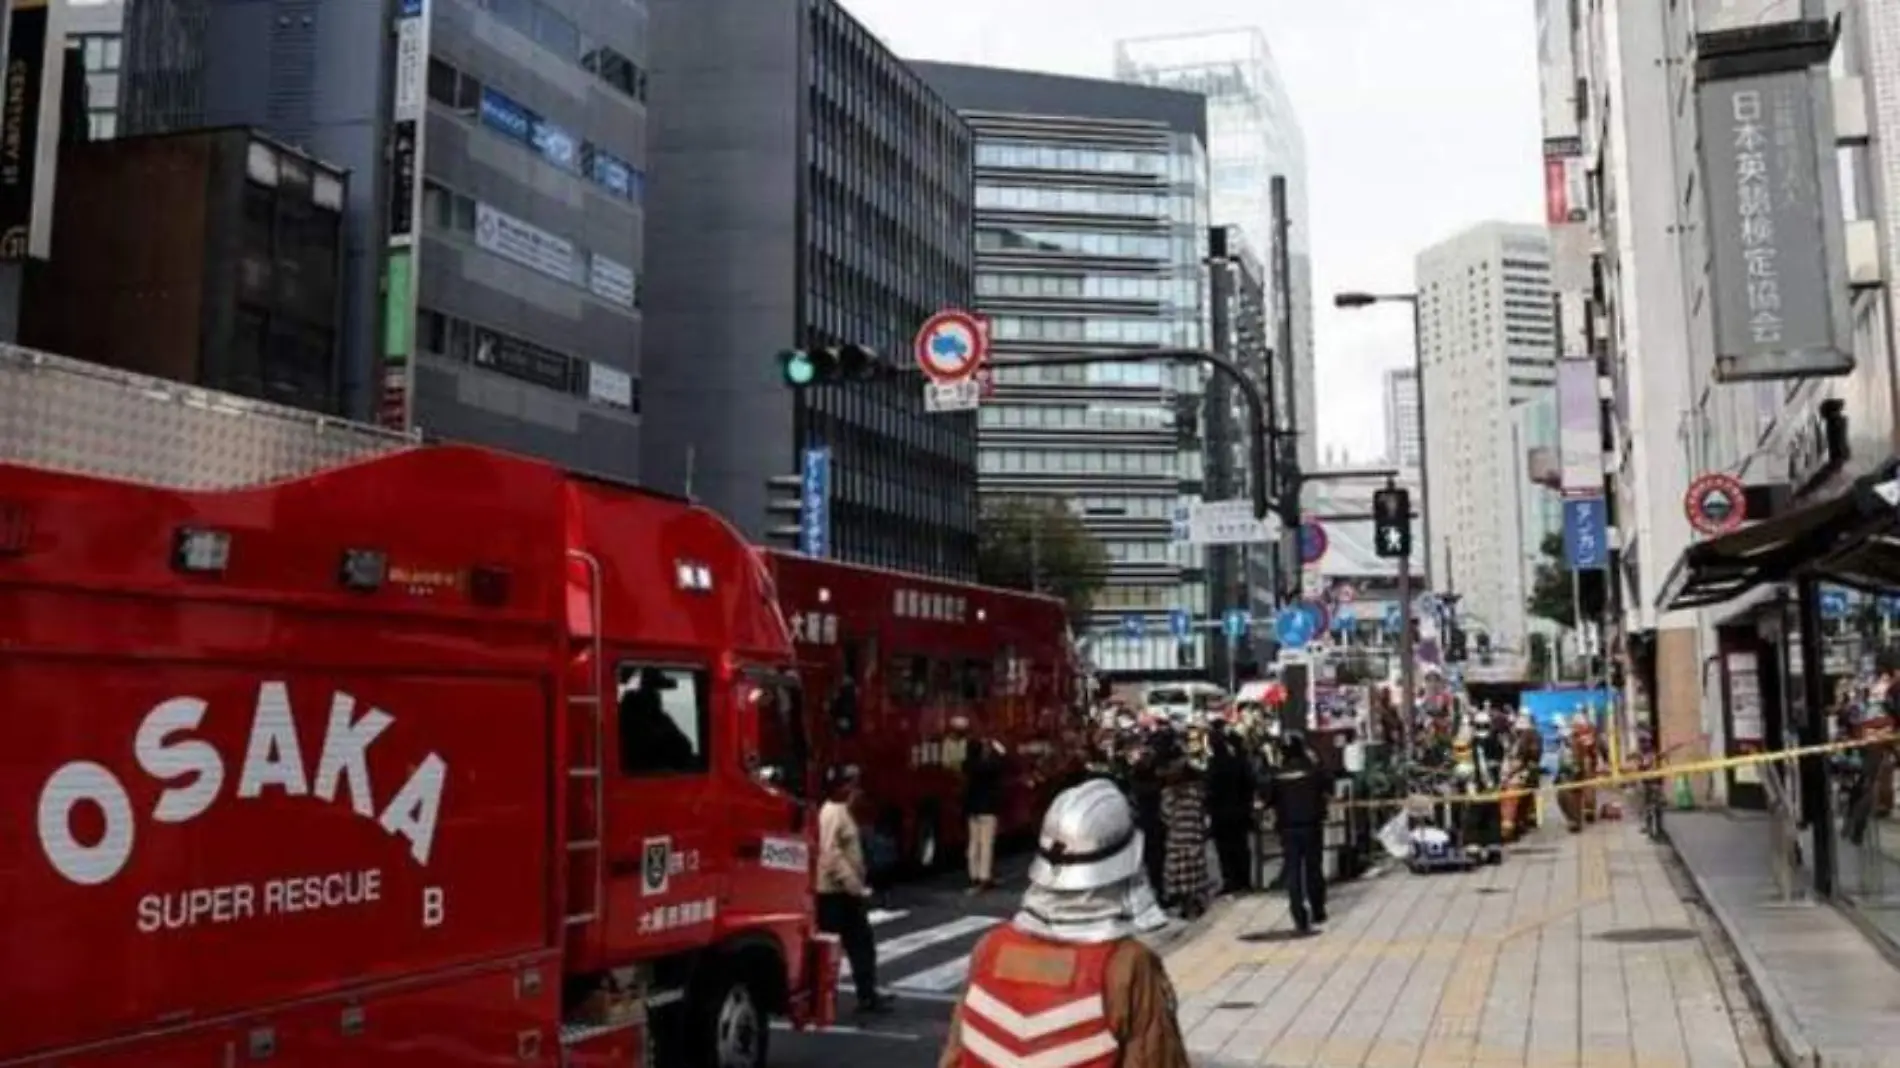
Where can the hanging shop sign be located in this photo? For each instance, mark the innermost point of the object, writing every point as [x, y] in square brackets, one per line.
[1716, 503]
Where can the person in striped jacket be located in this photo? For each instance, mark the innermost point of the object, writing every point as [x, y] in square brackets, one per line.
[1068, 981]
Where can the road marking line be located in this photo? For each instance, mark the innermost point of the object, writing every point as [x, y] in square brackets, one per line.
[847, 1029]
[917, 941]
[883, 916]
[942, 979]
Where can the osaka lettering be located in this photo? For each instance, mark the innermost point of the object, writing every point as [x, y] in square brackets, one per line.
[211, 905]
[169, 751]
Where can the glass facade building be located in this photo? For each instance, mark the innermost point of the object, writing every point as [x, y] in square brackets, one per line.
[1252, 135]
[520, 327]
[1091, 220]
[839, 216]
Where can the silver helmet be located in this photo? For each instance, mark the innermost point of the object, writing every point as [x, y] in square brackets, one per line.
[1088, 840]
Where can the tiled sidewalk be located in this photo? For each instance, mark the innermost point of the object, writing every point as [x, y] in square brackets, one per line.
[1577, 952]
[1831, 998]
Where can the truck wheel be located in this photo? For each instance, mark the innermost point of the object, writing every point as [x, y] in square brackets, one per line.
[730, 1028]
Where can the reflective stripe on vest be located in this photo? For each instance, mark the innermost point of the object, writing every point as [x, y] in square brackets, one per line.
[1015, 1023]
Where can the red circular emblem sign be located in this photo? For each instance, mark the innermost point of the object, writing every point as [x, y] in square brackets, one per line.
[1716, 503]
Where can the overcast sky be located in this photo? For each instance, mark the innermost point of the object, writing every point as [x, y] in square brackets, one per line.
[1421, 118]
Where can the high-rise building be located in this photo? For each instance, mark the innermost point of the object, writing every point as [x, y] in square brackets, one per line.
[491, 278]
[1252, 135]
[1402, 441]
[97, 28]
[1091, 230]
[1488, 334]
[808, 189]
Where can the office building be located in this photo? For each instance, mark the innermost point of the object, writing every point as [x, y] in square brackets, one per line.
[1252, 135]
[1091, 228]
[1238, 576]
[495, 151]
[838, 212]
[1402, 441]
[158, 265]
[1488, 334]
[96, 28]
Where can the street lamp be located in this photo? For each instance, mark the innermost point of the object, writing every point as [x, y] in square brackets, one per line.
[1353, 300]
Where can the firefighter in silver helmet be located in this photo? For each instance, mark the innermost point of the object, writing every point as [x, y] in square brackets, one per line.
[1067, 981]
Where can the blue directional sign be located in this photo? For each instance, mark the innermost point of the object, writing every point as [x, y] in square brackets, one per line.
[1134, 626]
[1833, 603]
[1586, 534]
[1392, 618]
[814, 515]
[1235, 623]
[1889, 606]
[1294, 626]
[1345, 618]
[1180, 624]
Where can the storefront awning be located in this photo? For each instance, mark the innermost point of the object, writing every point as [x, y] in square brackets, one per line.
[1852, 539]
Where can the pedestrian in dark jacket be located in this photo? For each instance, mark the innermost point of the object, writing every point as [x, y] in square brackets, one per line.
[1231, 788]
[982, 802]
[1298, 792]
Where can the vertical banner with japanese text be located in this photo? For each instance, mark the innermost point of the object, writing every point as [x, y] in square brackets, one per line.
[30, 126]
[1778, 286]
[408, 104]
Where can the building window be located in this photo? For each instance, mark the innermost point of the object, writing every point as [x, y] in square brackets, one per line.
[503, 115]
[100, 52]
[102, 124]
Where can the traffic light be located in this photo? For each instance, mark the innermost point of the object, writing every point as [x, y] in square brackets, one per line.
[1392, 523]
[828, 365]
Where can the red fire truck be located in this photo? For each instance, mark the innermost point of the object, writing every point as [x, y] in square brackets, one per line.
[330, 748]
[888, 660]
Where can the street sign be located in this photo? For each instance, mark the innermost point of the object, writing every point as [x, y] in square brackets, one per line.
[963, 395]
[1889, 606]
[1345, 618]
[1229, 522]
[1134, 627]
[1317, 615]
[1716, 503]
[1235, 623]
[1833, 604]
[1313, 542]
[1393, 618]
[951, 346]
[1586, 534]
[814, 514]
[1294, 627]
[1180, 624]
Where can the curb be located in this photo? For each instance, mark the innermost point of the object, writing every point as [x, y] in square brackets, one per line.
[1785, 1033]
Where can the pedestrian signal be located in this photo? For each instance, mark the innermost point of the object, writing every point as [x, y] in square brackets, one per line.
[1392, 523]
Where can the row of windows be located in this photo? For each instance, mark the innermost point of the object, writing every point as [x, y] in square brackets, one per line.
[1064, 158]
[1076, 417]
[459, 339]
[1129, 375]
[499, 112]
[1101, 330]
[1124, 507]
[1071, 199]
[1080, 286]
[1141, 552]
[556, 33]
[1073, 243]
[1094, 462]
[1115, 598]
[450, 212]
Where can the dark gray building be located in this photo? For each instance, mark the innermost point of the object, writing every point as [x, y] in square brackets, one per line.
[808, 189]
[1091, 230]
[1238, 576]
[494, 220]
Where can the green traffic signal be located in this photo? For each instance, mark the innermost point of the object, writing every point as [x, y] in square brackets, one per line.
[797, 367]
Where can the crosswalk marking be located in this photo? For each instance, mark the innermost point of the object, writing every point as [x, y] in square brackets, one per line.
[917, 941]
[879, 917]
[941, 979]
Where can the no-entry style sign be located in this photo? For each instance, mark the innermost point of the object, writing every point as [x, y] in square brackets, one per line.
[951, 346]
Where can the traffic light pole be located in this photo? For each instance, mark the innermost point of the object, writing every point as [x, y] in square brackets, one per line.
[1249, 389]
[1408, 659]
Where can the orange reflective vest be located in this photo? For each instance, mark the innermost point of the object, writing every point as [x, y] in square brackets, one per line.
[1013, 1019]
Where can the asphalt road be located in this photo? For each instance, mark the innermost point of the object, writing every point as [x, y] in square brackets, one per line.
[925, 933]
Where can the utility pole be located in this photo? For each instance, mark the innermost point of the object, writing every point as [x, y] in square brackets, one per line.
[1408, 653]
[1286, 468]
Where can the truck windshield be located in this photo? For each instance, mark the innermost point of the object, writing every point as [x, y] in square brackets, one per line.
[782, 749]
